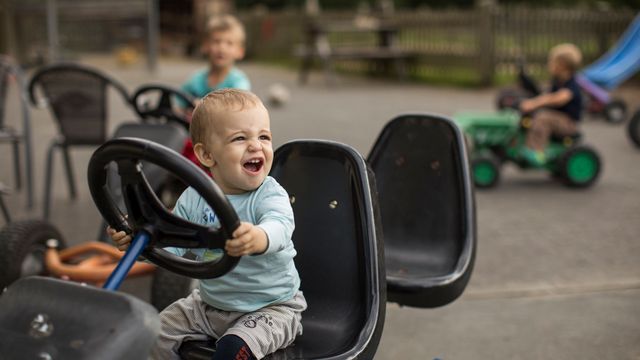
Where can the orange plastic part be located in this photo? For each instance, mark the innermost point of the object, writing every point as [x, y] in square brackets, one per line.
[90, 262]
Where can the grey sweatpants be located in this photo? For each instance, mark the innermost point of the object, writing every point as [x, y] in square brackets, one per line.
[265, 330]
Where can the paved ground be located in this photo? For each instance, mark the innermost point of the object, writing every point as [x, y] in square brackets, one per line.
[557, 272]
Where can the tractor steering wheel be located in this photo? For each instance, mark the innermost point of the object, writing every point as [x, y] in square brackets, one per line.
[145, 211]
[168, 100]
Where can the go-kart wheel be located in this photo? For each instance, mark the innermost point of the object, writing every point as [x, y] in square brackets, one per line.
[146, 212]
[22, 249]
[165, 101]
[634, 128]
[486, 171]
[579, 166]
[615, 112]
[167, 287]
[509, 99]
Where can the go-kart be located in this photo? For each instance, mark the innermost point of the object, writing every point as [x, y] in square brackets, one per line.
[499, 137]
[338, 238]
[595, 100]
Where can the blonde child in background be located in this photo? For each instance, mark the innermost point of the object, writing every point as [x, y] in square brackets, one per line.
[223, 45]
[559, 111]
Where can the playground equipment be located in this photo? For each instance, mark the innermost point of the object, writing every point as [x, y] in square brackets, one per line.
[497, 138]
[620, 62]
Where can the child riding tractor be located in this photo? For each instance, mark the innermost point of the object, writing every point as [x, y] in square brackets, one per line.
[496, 138]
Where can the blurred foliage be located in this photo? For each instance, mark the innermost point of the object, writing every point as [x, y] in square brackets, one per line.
[413, 4]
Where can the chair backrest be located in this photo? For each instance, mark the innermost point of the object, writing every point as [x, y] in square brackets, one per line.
[339, 247]
[428, 209]
[77, 97]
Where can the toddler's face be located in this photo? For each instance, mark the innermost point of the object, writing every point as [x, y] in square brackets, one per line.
[556, 67]
[224, 48]
[241, 150]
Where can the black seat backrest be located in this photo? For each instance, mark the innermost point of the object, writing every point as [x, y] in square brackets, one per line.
[340, 252]
[66, 320]
[427, 205]
[339, 248]
[77, 97]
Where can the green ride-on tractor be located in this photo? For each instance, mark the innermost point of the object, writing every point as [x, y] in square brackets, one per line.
[496, 138]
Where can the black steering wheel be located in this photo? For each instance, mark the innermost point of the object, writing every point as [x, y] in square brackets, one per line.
[168, 100]
[145, 211]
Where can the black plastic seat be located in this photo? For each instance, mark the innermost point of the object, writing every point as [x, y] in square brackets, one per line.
[77, 96]
[47, 318]
[428, 211]
[11, 72]
[340, 252]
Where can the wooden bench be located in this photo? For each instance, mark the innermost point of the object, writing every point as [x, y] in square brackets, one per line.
[318, 47]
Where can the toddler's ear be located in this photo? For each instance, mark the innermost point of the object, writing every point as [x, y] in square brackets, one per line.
[203, 155]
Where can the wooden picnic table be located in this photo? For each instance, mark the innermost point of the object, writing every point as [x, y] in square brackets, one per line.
[318, 47]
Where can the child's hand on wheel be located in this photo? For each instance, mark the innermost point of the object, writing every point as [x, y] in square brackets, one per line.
[247, 239]
[121, 238]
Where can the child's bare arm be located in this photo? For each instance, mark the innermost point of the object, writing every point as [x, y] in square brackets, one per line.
[556, 98]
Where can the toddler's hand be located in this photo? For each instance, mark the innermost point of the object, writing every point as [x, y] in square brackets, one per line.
[121, 238]
[247, 239]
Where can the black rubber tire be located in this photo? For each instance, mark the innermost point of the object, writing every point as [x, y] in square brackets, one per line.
[493, 162]
[167, 287]
[20, 240]
[563, 167]
[615, 112]
[633, 129]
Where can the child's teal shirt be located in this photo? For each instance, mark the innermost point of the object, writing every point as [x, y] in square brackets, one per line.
[258, 280]
[198, 84]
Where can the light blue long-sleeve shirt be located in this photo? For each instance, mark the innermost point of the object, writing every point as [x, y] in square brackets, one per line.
[198, 84]
[258, 280]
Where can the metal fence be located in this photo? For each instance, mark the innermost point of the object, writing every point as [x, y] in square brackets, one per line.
[83, 26]
[481, 45]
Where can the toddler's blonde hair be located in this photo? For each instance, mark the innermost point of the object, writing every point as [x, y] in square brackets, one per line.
[225, 23]
[568, 54]
[216, 104]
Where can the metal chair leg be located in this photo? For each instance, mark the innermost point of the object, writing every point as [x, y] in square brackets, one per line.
[48, 181]
[29, 174]
[70, 178]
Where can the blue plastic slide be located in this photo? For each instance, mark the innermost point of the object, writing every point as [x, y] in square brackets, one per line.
[619, 63]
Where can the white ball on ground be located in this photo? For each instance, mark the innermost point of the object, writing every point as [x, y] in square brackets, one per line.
[278, 94]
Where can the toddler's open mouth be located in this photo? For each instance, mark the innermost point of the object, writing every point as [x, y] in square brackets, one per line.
[253, 165]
